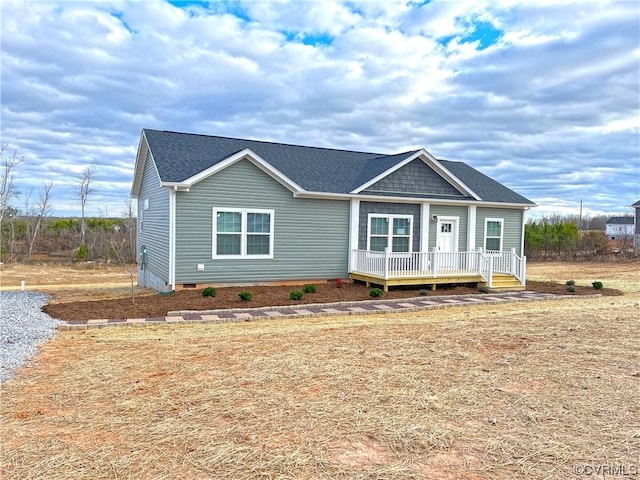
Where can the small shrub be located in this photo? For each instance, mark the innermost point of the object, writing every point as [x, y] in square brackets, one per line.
[484, 289]
[571, 288]
[568, 283]
[597, 285]
[309, 289]
[423, 292]
[296, 295]
[376, 292]
[81, 253]
[209, 292]
[246, 296]
[339, 283]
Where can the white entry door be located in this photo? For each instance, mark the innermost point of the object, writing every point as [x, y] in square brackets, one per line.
[447, 242]
[447, 235]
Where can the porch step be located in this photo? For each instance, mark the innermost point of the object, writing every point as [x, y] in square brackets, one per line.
[504, 282]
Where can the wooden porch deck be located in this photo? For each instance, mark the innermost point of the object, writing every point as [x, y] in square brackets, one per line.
[496, 270]
[501, 281]
[410, 278]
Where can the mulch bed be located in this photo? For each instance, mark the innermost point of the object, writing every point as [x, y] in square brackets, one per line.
[263, 296]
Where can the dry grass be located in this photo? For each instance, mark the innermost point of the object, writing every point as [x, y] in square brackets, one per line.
[524, 390]
[71, 282]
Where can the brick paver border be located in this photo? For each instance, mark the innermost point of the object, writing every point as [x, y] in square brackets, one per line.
[366, 307]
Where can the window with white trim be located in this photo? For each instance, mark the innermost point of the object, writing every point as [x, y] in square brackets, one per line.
[493, 228]
[242, 233]
[393, 231]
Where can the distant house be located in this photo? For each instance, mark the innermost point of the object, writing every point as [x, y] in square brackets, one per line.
[619, 228]
[227, 211]
[636, 243]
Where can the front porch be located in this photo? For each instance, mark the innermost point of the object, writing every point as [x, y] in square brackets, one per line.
[494, 269]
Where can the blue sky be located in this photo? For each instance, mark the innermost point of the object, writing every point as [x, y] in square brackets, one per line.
[543, 96]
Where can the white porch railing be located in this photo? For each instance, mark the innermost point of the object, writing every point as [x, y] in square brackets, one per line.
[388, 265]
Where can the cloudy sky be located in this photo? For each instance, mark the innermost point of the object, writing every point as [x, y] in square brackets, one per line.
[541, 95]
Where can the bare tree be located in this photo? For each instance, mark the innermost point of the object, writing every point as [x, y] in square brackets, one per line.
[7, 190]
[129, 267]
[84, 189]
[130, 224]
[42, 209]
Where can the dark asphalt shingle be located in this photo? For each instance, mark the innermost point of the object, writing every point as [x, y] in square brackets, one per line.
[179, 156]
[620, 221]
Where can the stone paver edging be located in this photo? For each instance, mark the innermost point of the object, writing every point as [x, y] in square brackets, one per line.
[366, 307]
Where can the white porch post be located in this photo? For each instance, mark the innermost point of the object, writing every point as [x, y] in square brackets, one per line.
[434, 262]
[354, 224]
[490, 279]
[471, 228]
[513, 261]
[386, 263]
[425, 220]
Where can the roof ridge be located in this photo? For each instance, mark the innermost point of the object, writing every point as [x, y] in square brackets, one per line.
[379, 155]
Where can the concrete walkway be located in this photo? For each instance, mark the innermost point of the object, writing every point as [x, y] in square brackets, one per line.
[320, 309]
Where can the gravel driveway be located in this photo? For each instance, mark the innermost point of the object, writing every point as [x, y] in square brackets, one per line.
[23, 327]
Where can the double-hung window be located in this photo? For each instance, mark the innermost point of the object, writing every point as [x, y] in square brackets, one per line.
[493, 234]
[393, 231]
[242, 233]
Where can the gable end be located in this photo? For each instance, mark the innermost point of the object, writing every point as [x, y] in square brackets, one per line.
[415, 178]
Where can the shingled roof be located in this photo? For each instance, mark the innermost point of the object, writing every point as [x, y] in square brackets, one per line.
[620, 221]
[180, 156]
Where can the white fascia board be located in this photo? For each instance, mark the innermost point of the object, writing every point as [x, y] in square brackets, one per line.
[384, 198]
[141, 160]
[430, 160]
[247, 154]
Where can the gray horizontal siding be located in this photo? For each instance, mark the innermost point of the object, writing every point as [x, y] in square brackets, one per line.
[153, 227]
[461, 212]
[310, 237]
[390, 209]
[512, 225]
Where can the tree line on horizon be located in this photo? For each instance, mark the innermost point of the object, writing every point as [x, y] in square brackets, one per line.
[28, 232]
[560, 237]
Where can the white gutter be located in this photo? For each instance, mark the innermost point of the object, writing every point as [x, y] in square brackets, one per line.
[385, 198]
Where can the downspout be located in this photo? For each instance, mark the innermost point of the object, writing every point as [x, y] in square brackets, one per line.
[523, 272]
[522, 235]
[354, 222]
[172, 237]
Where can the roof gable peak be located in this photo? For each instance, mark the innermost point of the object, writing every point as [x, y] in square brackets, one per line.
[429, 160]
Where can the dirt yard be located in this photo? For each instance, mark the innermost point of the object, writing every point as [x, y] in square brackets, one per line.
[516, 391]
[71, 282]
[93, 291]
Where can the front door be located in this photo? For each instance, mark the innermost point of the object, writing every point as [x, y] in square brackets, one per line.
[447, 242]
[447, 234]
